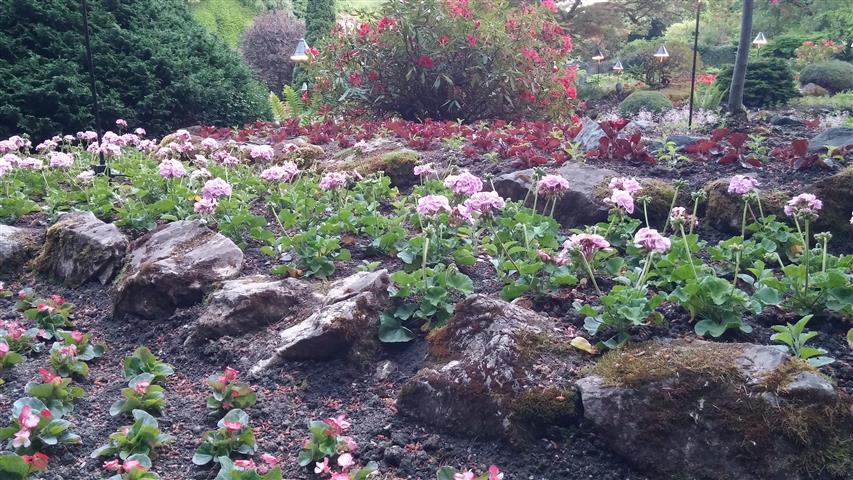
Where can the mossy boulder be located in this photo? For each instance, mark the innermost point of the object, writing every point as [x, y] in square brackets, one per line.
[724, 211]
[497, 368]
[645, 100]
[17, 246]
[705, 410]
[836, 192]
[378, 155]
[660, 193]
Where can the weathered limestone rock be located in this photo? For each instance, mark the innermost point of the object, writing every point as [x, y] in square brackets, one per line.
[833, 137]
[248, 304]
[79, 248]
[578, 206]
[494, 370]
[343, 321]
[174, 267]
[17, 246]
[590, 134]
[718, 411]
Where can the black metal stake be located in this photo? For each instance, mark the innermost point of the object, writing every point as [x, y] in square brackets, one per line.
[101, 168]
[693, 73]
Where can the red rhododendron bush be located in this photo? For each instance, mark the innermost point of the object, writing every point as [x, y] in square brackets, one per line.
[451, 59]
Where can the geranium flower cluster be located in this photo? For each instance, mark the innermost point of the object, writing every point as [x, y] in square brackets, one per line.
[622, 192]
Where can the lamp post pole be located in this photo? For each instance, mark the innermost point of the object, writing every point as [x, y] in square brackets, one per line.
[693, 70]
[101, 168]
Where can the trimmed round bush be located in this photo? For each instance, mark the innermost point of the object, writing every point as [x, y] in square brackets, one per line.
[155, 66]
[267, 45]
[834, 75]
[768, 82]
[647, 100]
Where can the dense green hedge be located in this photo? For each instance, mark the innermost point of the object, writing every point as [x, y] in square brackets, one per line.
[646, 100]
[226, 18]
[834, 75]
[156, 68]
[768, 82]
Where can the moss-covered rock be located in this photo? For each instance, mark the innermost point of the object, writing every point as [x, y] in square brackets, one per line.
[660, 193]
[836, 192]
[378, 155]
[17, 246]
[724, 211]
[708, 410]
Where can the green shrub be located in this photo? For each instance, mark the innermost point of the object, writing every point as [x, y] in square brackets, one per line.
[783, 46]
[225, 18]
[768, 82]
[834, 75]
[319, 19]
[639, 60]
[649, 101]
[426, 58]
[719, 55]
[155, 66]
[267, 44]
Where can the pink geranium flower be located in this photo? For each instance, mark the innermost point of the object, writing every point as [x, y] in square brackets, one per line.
[650, 240]
[741, 184]
[333, 180]
[627, 184]
[804, 204]
[552, 185]
[171, 169]
[216, 188]
[205, 206]
[463, 184]
[432, 204]
[485, 203]
[621, 199]
[425, 169]
[587, 244]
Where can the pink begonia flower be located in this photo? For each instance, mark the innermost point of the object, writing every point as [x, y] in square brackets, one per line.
[269, 459]
[650, 240]
[142, 387]
[345, 460]
[68, 351]
[627, 184]
[485, 202]
[432, 204]
[205, 206]
[233, 426]
[803, 204]
[322, 467]
[228, 375]
[261, 152]
[43, 307]
[333, 180]
[216, 188]
[495, 473]
[466, 475]
[350, 443]
[49, 377]
[121, 123]
[464, 184]
[77, 336]
[114, 465]
[621, 199]
[741, 184]
[171, 169]
[4, 349]
[280, 173]
[132, 464]
[587, 244]
[339, 476]
[245, 464]
[27, 418]
[425, 169]
[338, 424]
[552, 185]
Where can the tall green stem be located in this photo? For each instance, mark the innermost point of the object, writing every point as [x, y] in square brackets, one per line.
[646, 269]
[671, 206]
[591, 275]
[688, 252]
[808, 253]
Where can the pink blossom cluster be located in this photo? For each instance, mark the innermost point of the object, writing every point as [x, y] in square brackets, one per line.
[285, 172]
[209, 144]
[127, 467]
[337, 427]
[552, 185]
[627, 184]
[803, 205]
[742, 184]
[651, 240]
[171, 169]
[588, 244]
[679, 215]
[27, 421]
[14, 144]
[333, 180]
[464, 184]
[494, 474]
[249, 464]
[484, 203]
[432, 204]
[261, 152]
[423, 170]
[210, 193]
[622, 193]
[60, 159]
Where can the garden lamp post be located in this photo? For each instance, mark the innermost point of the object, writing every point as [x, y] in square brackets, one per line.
[618, 69]
[300, 55]
[598, 57]
[693, 68]
[101, 167]
[661, 54]
[760, 40]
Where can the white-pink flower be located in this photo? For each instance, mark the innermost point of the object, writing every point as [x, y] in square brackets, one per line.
[345, 460]
[22, 439]
[741, 184]
[425, 169]
[433, 204]
[85, 176]
[261, 152]
[121, 123]
[60, 159]
[205, 206]
[587, 244]
[142, 387]
[463, 184]
[210, 144]
[216, 188]
[333, 180]
[322, 467]
[171, 169]
[280, 173]
[651, 240]
[804, 204]
[466, 475]
[621, 199]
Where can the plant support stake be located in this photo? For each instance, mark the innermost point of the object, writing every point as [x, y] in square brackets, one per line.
[693, 70]
[101, 168]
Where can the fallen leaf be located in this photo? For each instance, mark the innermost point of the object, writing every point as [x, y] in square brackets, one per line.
[583, 344]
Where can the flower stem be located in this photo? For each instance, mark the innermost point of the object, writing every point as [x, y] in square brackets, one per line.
[591, 275]
[689, 254]
[646, 213]
[808, 253]
[646, 269]
[823, 261]
[671, 206]
[693, 218]
[743, 220]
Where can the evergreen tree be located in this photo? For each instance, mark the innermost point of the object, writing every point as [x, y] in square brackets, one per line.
[319, 19]
[155, 67]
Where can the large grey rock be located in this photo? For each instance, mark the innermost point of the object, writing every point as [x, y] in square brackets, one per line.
[590, 134]
[248, 304]
[682, 141]
[343, 322]
[637, 126]
[173, 267]
[17, 246]
[489, 373]
[813, 90]
[833, 137]
[712, 410]
[578, 206]
[79, 248]
[785, 121]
